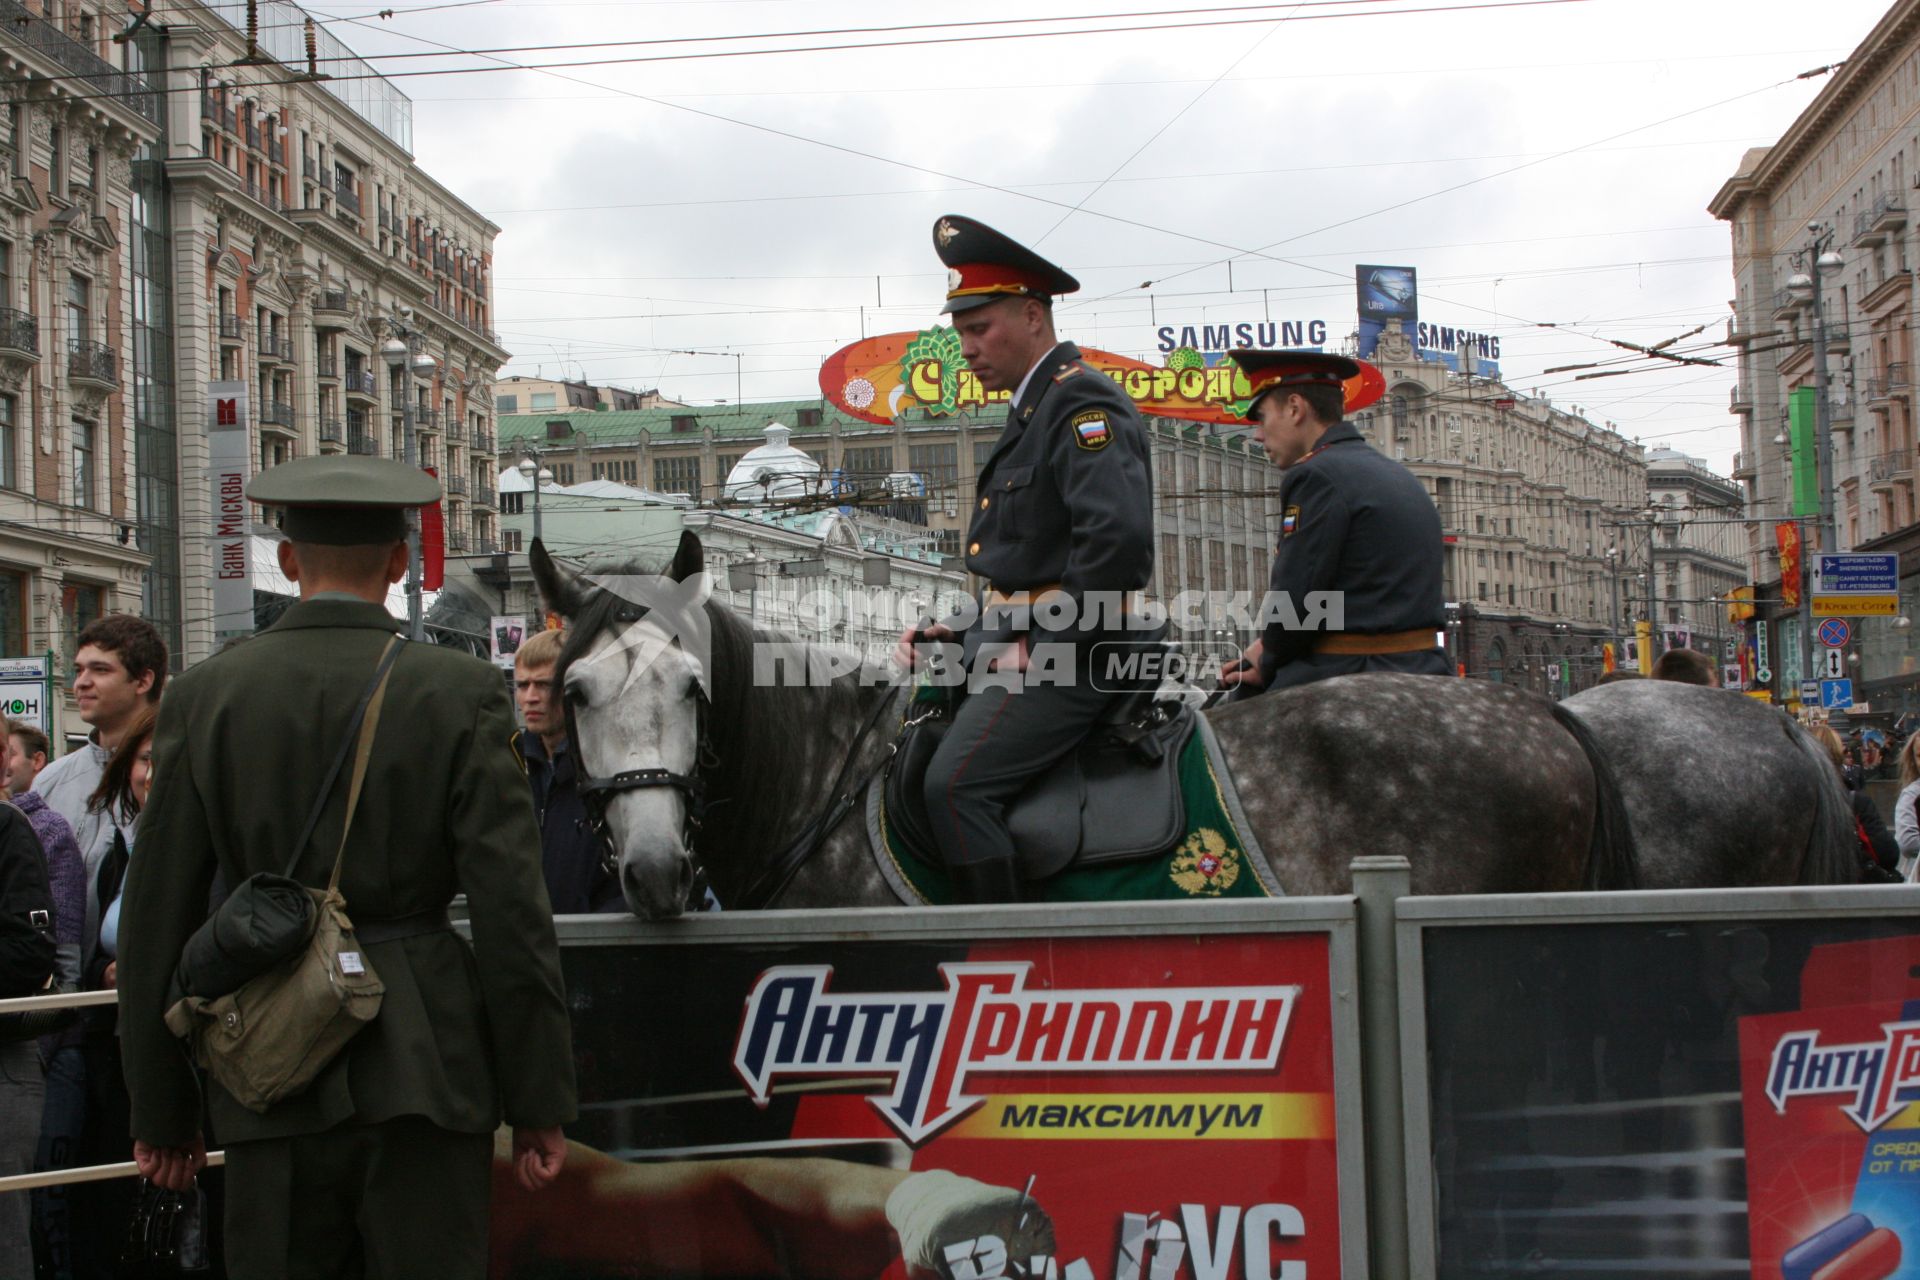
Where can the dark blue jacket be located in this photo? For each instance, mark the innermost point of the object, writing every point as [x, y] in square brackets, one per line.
[577, 882]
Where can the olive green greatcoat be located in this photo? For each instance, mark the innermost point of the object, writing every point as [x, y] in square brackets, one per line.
[244, 741]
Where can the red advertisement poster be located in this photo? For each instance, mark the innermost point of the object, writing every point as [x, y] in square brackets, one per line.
[1142, 1108]
[1786, 536]
[1831, 1106]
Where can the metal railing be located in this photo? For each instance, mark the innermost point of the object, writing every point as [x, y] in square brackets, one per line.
[485, 545]
[483, 442]
[1886, 469]
[1786, 300]
[19, 331]
[326, 366]
[330, 300]
[457, 485]
[362, 382]
[265, 195]
[103, 79]
[276, 152]
[426, 419]
[232, 328]
[455, 433]
[362, 444]
[278, 414]
[457, 540]
[331, 431]
[93, 362]
[344, 192]
[272, 348]
[483, 496]
[308, 169]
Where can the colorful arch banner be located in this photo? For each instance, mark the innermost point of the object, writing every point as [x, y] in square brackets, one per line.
[881, 379]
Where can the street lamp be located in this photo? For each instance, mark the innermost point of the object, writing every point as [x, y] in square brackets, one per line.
[538, 475]
[1806, 285]
[399, 353]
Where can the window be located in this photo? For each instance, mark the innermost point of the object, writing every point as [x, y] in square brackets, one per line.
[938, 464]
[510, 505]
[559, 429]
[684, 423]
[13, 612]
[510, 538]
[508, 404]
[9, 450]
[83, 495]
[946, 542]
[677, 475]
[57, 146]
[982, 450]
[1168, 565]
[79, 308]
[872, 461]
[807, 418]
[562, 472]
[6, 274]
[539, 400]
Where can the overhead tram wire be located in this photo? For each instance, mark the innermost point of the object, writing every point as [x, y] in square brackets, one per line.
[550, 67]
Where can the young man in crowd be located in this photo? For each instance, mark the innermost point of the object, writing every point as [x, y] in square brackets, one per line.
[577, 878]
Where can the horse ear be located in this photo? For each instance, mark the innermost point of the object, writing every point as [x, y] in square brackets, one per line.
[559, 587]
[689, 559]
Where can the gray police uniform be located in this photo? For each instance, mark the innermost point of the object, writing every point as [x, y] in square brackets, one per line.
[1355, 521]
[1065, 502]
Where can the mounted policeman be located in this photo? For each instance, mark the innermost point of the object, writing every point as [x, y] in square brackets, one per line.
[1062, 532]
[1352, 521]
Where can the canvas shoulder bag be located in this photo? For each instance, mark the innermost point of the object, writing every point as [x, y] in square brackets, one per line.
[269, 1039]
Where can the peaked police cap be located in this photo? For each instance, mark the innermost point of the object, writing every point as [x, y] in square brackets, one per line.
[984, 266]
[344, 499]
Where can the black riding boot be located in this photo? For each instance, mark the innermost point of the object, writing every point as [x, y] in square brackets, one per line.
[986, 882]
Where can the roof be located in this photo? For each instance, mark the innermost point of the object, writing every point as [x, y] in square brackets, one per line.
[747, 421]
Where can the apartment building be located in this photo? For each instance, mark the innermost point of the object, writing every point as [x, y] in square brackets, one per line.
[76, 162]
[315, 262]
[1850, 163]
[521, 394]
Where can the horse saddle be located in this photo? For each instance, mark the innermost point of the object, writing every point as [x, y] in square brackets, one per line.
[1114, 798]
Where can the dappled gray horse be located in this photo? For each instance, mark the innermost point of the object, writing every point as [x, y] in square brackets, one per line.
[1483, 788]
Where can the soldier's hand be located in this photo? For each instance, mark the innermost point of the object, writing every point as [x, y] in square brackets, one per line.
[170, 1168]
[538, 1155]
[1245, 669]
[904, 655]
[954, 1228]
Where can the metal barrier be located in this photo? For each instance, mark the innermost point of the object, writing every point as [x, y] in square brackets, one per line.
[1513, 1083]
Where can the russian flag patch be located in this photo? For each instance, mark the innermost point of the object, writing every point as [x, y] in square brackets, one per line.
[1091, 429]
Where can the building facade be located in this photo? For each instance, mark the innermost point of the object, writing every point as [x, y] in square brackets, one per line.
[1697, 535]
[520, 394]
[302, 237]
[76, 134]
[1850, 162]
[1532, 499]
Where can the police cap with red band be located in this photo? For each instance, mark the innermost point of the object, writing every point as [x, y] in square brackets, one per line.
[1281, 370]
[984, 266]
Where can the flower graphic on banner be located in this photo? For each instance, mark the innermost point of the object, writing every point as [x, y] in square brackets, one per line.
[940, 347]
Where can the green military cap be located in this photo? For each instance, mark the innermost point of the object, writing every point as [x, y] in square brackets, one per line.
[344, 500]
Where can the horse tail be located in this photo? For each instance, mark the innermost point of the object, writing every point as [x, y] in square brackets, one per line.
[1833, 842]
[1612, 860]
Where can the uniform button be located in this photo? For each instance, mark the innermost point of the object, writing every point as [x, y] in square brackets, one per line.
[984, 502]
[973, 549]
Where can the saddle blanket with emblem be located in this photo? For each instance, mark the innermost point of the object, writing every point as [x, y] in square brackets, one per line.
[1217, 858]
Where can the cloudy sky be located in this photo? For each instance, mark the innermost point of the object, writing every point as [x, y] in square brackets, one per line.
[1541, 162]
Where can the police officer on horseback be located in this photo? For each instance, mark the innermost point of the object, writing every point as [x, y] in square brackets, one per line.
[1062, 531]
[1352, 521]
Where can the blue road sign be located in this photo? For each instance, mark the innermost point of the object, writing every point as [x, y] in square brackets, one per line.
[1858, 575]
[1836, 695]
[1835, 632]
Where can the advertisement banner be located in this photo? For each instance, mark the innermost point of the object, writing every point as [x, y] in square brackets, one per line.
[1786, 536]
[1077, 1108]
[433, 542]
[881, 379]
[504, 638]
[229, 465]
[1387, 294]
[24, 687]
[1831, 1098]
[1801, 414]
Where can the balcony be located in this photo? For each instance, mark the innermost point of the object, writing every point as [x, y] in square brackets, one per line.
[93, 364]
[277, 414]
[483, 496]
[483, 442]
[426, 419]
[326, 366]
[346, 198]
[101, 78]
[1743, 468]
[363, 444]
[1787, 304]
[19, 336]
[1887, 216]
[332, 309]
[1882, 390]
[457, 486]
[265, 195]
[1839, 339]
[332, 431]
[276, 153]
[308, 169]
[484, 545]
[455, 433]
[274, 350]
[233, 330]
[1886, 470]
[1741, 401]
[361, 384]
[457, 541]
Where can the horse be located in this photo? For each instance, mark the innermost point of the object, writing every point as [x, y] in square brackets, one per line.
[696, 762]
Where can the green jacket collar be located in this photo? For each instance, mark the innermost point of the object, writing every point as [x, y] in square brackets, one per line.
[336, 613]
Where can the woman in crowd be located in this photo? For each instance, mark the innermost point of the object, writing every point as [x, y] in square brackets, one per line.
[1906, 822]
[1878, 852]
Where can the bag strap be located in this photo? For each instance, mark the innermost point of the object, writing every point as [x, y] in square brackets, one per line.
[361, 756]
[391, 652]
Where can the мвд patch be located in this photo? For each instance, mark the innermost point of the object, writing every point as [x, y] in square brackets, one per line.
[1091, 430]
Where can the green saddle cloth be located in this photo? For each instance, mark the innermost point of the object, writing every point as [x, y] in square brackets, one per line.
[1217, 859]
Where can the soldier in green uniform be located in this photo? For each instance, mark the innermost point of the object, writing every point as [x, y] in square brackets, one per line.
[1062, 533]
[382, 1166]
